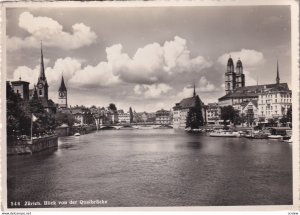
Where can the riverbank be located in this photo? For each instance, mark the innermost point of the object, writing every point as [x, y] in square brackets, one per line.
[18, 147]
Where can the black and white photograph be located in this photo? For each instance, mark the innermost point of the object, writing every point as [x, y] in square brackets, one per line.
[165, 105]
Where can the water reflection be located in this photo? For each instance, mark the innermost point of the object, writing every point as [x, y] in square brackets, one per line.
[155, 168]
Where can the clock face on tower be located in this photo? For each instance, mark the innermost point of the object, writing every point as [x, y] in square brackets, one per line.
[61, 94]
[40, 85]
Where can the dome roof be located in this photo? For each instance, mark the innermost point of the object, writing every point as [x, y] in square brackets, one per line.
[230, 62]
[239, 63]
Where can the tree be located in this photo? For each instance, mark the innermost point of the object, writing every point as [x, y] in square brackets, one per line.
[131, 115]
[289, 115]
[194, 118]
[64, 118]
[17, 121]
[228, 113]
[112, 107]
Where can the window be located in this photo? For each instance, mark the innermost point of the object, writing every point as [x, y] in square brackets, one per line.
[40, 92]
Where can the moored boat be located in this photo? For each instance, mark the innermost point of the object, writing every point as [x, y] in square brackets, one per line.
[224, 134]
[275, 137]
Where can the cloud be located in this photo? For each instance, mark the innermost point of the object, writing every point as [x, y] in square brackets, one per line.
[151, 91]
[149, 68]
[249, 81]
[203, 86]
[154, 62]
[249, 58]
[74, 73]
[99, 75]
[51, 33]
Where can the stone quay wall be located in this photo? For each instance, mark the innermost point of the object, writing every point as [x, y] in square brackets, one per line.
[29, 147]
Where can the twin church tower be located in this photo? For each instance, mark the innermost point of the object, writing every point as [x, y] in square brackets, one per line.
[233, 79]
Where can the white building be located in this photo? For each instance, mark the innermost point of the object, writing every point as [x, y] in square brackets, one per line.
[274, 103]
[124, 117]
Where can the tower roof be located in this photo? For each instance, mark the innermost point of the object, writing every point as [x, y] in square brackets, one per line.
[194, 93]
[239, 63]
[277, 76]
[62, 87]
[42, 75]
[230, 61]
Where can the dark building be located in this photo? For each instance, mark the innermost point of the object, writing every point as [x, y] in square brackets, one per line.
[22, 88]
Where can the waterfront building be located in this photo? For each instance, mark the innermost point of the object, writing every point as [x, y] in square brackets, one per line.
[274, 103]
[123, 117]
[266, 101]
[213, 112]
[82, 115]
[22, 88]
[62, 95]
[162, 117]
[250, 111]
[144, 116]
[181, 109]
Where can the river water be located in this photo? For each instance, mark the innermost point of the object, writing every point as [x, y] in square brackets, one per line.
[159, 167]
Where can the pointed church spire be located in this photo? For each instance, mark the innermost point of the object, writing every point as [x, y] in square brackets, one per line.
[194, 94]
[277, 77]
[42, 69]
[62, 87]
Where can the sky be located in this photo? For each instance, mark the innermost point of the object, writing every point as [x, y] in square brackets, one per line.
[147, 58]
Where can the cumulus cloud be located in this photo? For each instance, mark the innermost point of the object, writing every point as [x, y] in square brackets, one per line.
[149, 68]
[248, 79]
[151, 91]
[202, 86]
[51, 33]
[154, 62]
[250, 58]
[73, 71]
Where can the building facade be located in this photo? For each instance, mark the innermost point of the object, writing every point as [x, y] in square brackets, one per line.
[213, 112]
[22, 88]
[123, 117]
[162, 117]
[259, 101]
[181, 109]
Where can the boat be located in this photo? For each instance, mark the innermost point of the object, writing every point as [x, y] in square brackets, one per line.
[275, 136]
[288, 141]
[225, 134]
[77, 134]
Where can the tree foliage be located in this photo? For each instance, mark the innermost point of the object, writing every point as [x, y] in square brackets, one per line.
[131, 115]
[112, 107]
[64, 118]
[194, 118]
[19, 113]
[229, 113]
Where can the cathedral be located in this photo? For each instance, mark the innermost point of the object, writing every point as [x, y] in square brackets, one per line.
[266, 100]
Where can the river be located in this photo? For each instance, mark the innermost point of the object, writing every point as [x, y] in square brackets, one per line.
[159, 167]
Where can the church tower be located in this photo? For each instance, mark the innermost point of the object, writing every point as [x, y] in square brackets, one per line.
[42, 80]
[62, 94]
[230, 77]
[240, 77]
[277, 77]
